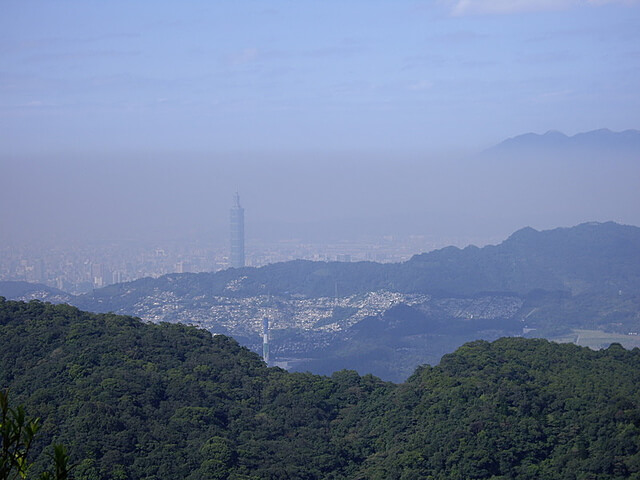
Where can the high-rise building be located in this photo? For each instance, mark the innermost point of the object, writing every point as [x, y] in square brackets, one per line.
[237, 234]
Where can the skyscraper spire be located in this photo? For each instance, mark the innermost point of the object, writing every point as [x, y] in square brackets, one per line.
[237, 233]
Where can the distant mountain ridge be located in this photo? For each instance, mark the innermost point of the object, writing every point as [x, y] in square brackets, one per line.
[34, 291]
[596, 255]
[588, 257]
[387, 318]
[601, 140]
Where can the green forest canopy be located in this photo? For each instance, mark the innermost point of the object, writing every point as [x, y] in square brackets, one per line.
[142, 401]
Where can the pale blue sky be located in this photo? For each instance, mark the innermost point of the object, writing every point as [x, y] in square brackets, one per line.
[333, 117]
[427, 76]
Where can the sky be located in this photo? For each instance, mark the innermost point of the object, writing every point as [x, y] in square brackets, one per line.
[252, 75]
[121, 115]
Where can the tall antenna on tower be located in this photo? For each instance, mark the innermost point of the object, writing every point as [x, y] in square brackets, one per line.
[265, 340]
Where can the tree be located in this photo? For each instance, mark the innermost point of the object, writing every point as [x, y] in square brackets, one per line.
[17, 432]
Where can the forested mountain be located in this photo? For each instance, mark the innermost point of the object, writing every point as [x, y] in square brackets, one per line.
[144, 401]
[387, 318]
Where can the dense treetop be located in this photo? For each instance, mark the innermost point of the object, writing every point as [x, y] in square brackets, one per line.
[143, 401]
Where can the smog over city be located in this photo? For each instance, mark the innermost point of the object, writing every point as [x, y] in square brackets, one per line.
[337, 122]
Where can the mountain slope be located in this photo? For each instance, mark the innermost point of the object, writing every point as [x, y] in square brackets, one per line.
[591, 257]
[133, 400]
[141, 401]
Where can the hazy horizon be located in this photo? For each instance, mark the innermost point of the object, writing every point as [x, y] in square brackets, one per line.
[337, 198]
[332, 120]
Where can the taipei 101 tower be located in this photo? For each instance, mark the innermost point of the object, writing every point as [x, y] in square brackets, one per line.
[237, 233]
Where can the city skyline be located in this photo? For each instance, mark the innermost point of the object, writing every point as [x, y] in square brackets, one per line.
[123, 125]
[78, 269]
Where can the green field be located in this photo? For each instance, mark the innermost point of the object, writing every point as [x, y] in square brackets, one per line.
[597, 339]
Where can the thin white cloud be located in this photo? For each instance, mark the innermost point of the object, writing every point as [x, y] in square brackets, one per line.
[484, 7]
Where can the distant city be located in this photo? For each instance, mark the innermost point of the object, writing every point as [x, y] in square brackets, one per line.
[80, 268]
